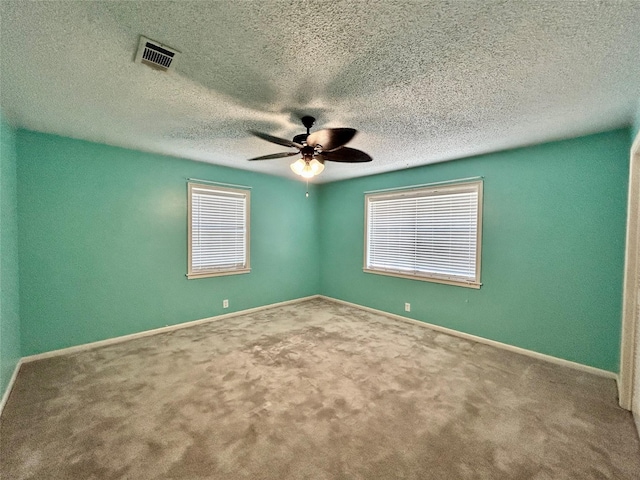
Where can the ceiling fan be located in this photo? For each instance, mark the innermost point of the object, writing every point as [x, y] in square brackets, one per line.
[316, 148]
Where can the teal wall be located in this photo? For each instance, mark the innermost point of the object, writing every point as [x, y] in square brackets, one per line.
[553, 249]
[102, 236]
[9, 319]
[103, 242]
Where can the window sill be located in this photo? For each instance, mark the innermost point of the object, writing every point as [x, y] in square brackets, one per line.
[446, 281]
[221, 273]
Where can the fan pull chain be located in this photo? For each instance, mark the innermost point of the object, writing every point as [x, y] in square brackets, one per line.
[307, 193]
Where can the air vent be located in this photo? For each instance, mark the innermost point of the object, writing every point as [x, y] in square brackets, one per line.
[155, 54]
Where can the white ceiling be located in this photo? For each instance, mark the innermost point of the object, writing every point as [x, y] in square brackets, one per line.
[422, 81]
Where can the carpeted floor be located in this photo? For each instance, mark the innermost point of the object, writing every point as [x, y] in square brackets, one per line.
[314, 390]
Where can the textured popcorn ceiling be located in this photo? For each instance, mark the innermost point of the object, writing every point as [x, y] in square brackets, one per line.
[422, 81]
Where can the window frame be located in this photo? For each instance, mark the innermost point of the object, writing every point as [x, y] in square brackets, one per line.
[218, 272]
[421, 192]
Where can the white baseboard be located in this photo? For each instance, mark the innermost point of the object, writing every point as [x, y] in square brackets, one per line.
[486, 341]
[624, 400]
[7, 391]
[155, 331]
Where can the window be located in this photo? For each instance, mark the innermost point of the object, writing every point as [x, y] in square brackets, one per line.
[218, 231]
[431, 234]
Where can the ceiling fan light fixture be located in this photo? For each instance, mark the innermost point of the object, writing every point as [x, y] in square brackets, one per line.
[316, 166]
[307, 168]
[298, 166]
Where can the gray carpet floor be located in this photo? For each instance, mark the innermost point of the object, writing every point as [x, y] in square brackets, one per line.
[314, 390]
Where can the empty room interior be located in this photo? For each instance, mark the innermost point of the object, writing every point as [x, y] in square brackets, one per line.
[320, 239]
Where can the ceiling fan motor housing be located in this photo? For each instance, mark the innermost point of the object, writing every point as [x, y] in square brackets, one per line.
[302, 138]
[307, 153]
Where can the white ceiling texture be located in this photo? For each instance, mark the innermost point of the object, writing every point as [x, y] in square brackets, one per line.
[422, 81]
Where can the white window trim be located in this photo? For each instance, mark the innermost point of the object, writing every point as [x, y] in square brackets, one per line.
[425, 191]
[218, 272]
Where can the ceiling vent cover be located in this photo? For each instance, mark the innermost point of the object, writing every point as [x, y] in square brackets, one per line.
[155, 54]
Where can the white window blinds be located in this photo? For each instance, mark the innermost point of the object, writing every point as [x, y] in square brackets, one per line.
[430, 233]
[218, 231]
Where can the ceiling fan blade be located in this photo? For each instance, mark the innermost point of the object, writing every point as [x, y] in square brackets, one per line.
[344, 155]
[272, 139]
[331, 138]
[275, 155]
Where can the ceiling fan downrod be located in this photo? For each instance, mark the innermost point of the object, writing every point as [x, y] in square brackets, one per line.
[308, 122]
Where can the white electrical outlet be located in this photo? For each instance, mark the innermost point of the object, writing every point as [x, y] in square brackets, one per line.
[407, 307]
[225, 303]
